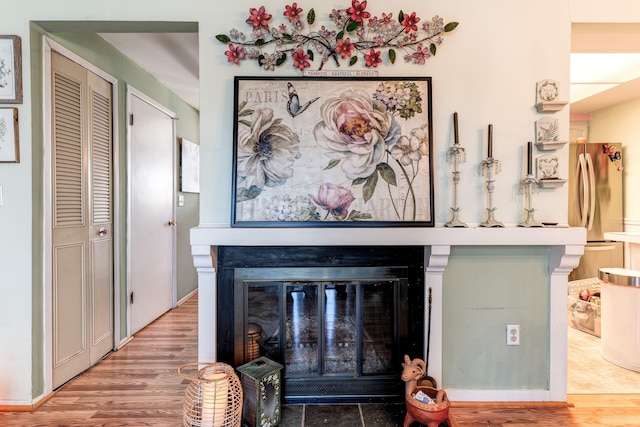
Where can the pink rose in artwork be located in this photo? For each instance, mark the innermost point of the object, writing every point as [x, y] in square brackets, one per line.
[335, 199]
[355, 130]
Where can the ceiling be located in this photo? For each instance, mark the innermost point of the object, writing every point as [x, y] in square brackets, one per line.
[615, 41]
[173, 59]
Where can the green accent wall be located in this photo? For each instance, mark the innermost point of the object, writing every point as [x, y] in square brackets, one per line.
[484, 289]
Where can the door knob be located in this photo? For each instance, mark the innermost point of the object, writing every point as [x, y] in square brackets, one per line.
[172, 222]
[102, 232]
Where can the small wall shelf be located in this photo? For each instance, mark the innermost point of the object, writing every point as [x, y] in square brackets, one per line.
[550, 145]
[551, 183]
[550, 106]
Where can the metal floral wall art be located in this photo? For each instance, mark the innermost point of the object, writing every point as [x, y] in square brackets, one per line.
[357, 154]
[354, 35]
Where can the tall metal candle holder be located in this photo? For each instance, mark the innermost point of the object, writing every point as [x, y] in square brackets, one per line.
[528, 186]
[489, 167]
[456, 157]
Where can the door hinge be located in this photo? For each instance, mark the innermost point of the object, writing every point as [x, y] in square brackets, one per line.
[130, 119]
[131, 298]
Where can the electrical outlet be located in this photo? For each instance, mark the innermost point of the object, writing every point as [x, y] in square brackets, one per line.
[513, 334]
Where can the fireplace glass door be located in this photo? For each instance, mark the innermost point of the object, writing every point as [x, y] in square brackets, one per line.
[323, 330]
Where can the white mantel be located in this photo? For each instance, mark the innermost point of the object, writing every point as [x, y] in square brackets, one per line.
[566, 246]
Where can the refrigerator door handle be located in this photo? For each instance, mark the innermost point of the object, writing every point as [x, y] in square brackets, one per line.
[592, 191]
[583, 197]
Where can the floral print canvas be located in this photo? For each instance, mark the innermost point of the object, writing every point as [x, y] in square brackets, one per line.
[337, 152]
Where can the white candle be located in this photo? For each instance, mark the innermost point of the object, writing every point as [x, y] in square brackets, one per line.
[214, 399]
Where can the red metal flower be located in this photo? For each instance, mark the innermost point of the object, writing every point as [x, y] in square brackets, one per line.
[293, 12]
[300, 59]
[409, 22]
[344, 47]
[357, 10]
[258, 18]
[235, 53]
[372, 58]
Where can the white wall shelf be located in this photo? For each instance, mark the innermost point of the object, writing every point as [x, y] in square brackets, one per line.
[550, 106]
[550, 145]
[551, 183]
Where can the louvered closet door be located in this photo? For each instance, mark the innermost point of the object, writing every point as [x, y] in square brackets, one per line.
[82, 276]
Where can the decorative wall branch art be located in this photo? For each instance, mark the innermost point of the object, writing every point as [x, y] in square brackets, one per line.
[10, 70]
[9, 144]
[354, 35]
[330, 152]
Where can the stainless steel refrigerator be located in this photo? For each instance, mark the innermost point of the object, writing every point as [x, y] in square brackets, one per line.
[595, 202]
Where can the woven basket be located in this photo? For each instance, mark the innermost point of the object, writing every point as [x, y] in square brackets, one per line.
[214, 396]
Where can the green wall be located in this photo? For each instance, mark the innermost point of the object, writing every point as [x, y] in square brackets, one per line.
[484, 289]
[95, 50]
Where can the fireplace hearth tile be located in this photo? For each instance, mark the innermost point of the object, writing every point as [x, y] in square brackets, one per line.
[291, 416]
[334, 415]
[383, 414]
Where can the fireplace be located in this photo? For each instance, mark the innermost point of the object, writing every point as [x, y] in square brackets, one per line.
[339, 319]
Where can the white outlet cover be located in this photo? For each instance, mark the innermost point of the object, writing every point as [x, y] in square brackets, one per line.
[513, 334]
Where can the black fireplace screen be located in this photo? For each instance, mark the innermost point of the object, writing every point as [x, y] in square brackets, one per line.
[339, 332]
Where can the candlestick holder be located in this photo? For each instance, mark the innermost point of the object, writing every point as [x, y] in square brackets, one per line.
[457, 157]
[528, 186]
[489, 168]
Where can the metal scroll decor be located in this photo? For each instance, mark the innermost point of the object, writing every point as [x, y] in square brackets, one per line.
[351, 34]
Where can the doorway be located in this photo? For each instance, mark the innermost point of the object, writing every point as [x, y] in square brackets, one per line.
[587, 371]
[152, 226]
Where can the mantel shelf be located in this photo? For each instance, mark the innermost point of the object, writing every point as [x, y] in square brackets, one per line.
[550, 106]
[551, 183]
[205, 236]
[550, 145]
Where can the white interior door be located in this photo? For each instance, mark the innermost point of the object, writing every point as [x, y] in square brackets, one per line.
[151, 203]
[81, 218]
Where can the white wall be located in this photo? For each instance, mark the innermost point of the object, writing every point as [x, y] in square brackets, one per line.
[486, 70]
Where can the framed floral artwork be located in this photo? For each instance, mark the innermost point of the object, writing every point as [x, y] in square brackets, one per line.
[10, 70]
[9, 137]
[319, 151]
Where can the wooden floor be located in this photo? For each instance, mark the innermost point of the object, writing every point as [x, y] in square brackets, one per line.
[139, 386]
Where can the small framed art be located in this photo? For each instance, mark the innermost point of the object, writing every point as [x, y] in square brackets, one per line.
[9, 144]
[10, 70]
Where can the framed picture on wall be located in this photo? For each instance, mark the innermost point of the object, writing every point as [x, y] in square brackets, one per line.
[322, 151]
[189, 166]
[9, 144]
[10, 70]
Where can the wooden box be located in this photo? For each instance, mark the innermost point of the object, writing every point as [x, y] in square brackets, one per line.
[261, 386]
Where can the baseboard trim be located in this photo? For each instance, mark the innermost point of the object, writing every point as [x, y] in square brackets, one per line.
[28, 407]
[187, 297]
